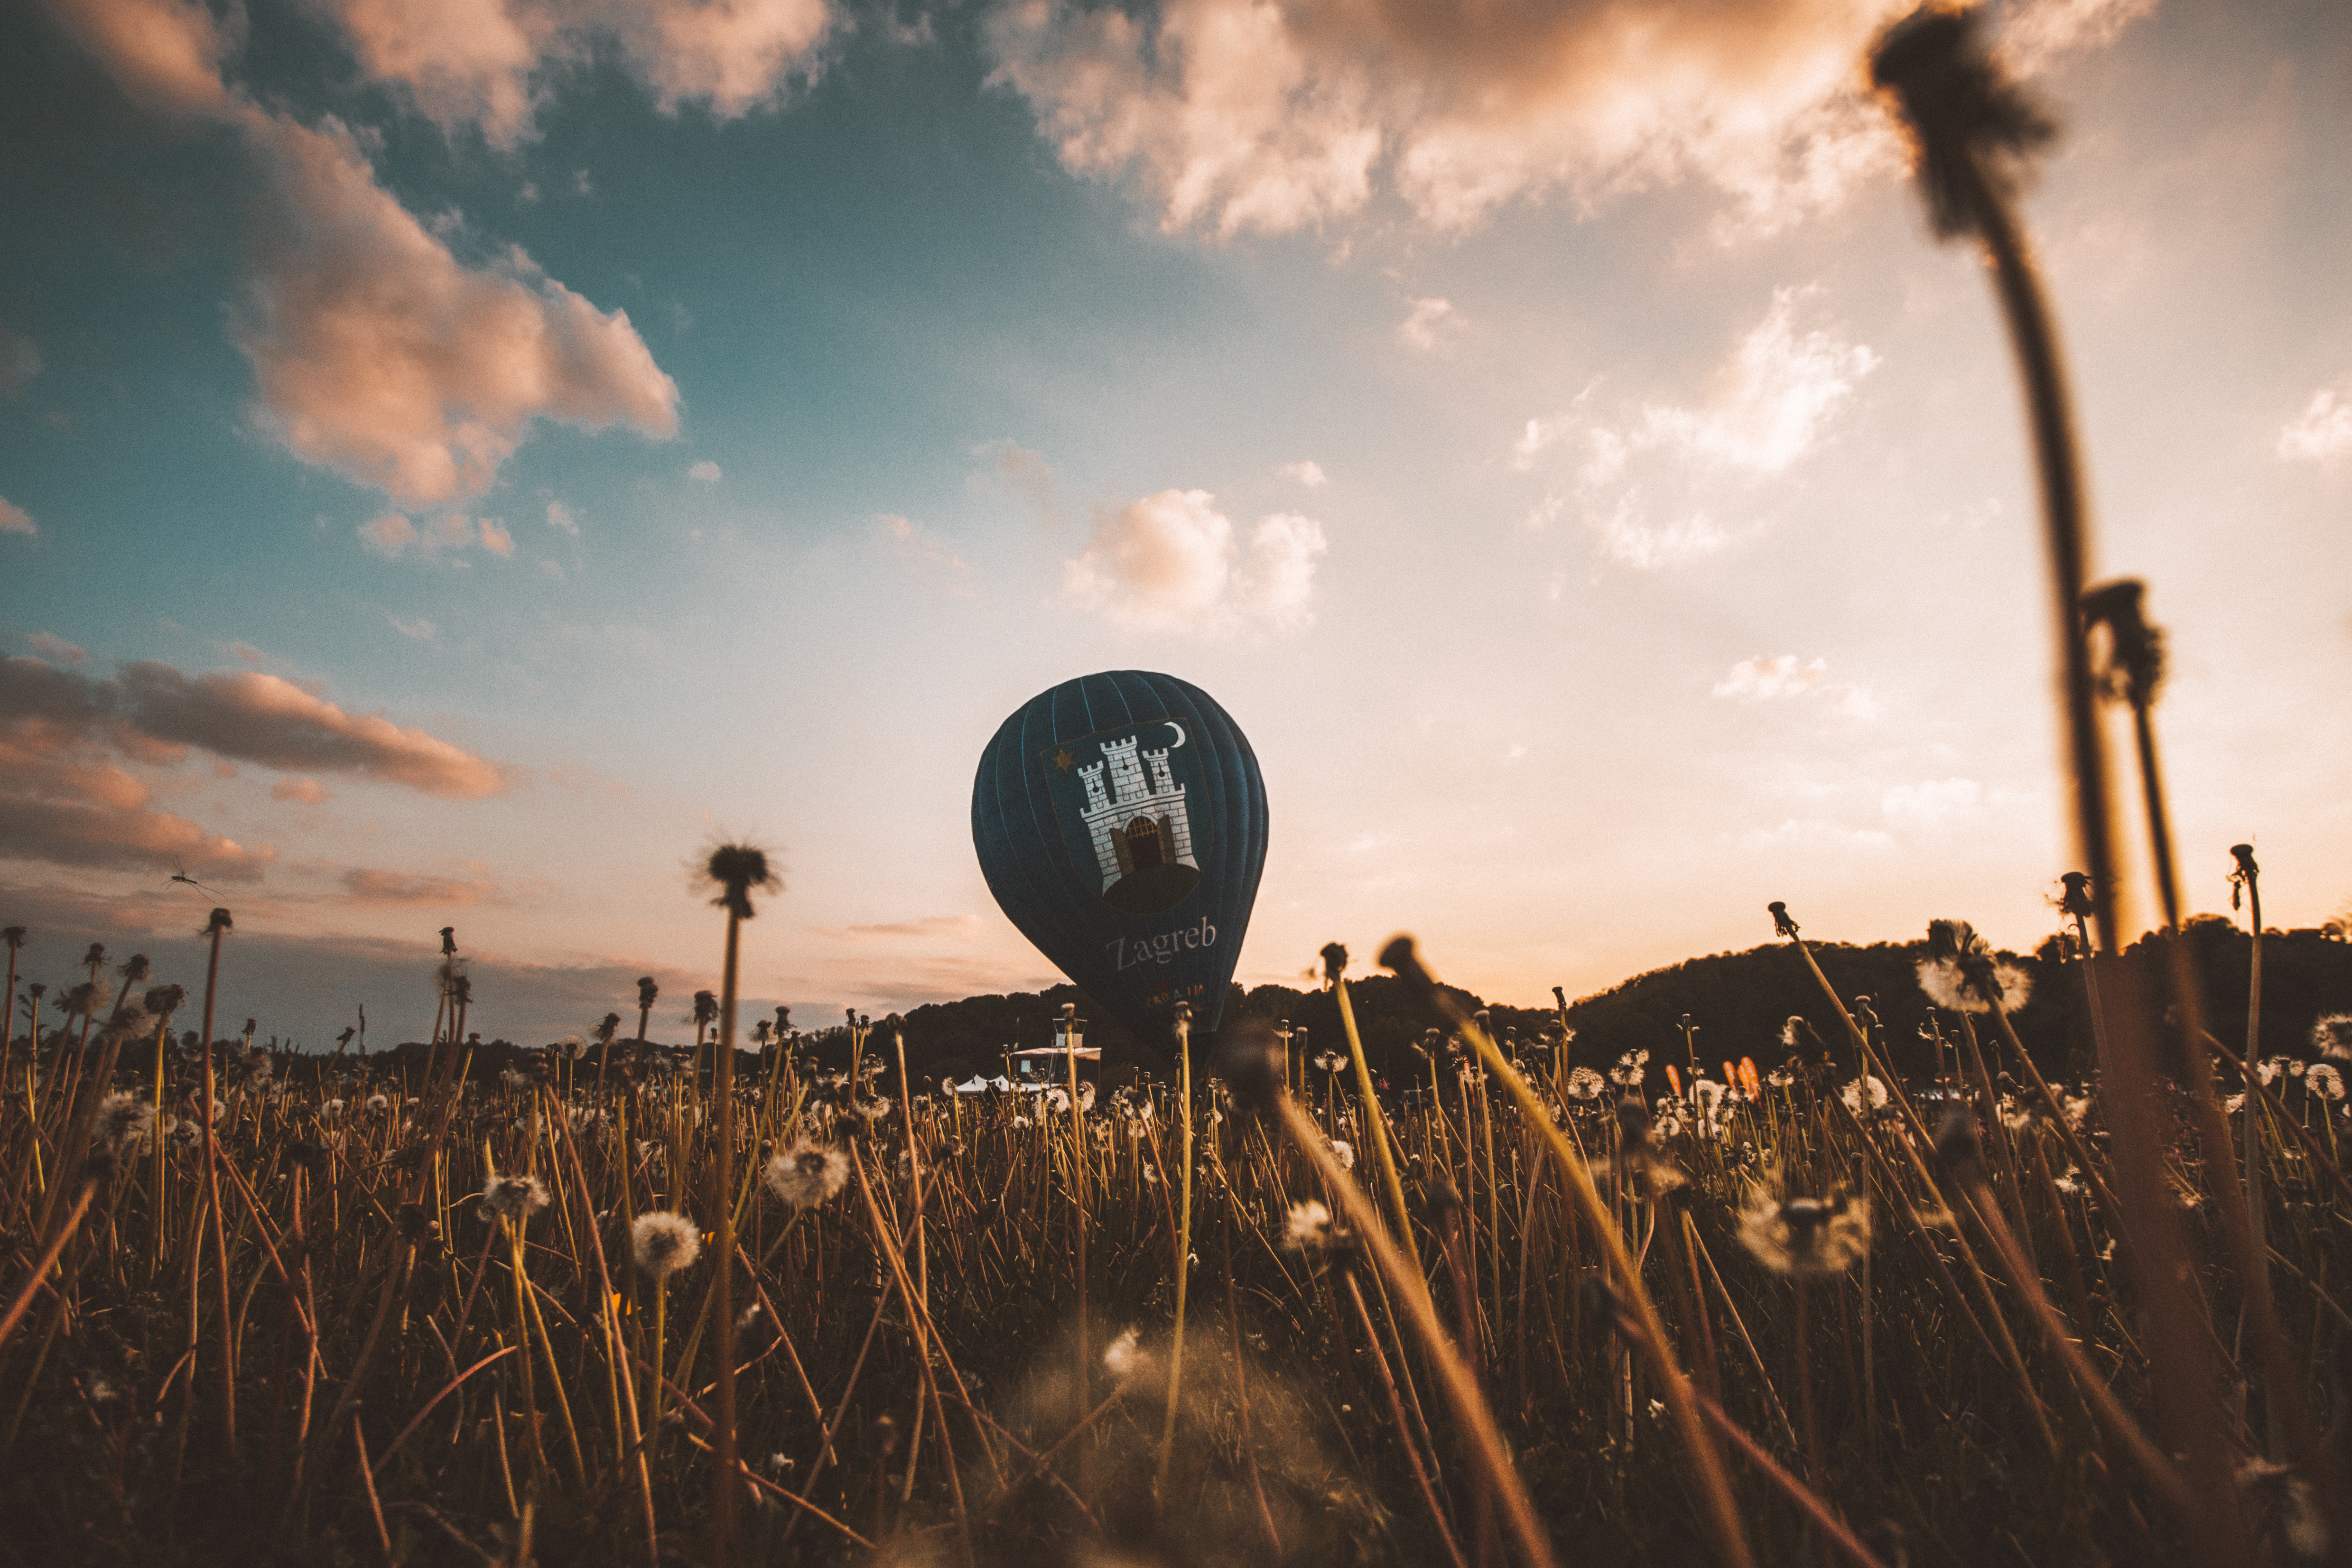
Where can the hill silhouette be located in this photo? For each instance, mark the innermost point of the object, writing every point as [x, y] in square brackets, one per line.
[1737, 1004]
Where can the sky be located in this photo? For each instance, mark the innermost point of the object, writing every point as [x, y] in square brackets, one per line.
[460, 461]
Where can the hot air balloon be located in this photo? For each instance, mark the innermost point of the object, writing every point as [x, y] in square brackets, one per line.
[1120, 822]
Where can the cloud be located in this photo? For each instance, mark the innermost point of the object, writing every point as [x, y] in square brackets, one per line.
[959, 927]
[461, 61]
[420, 629]
[734, 54]
[1308, 473]
[302, 791]
[60, 804]
[388, 536]
[487, 62]
[1276, 115]
[1782, 677]
[246, 653]
[909, 542]
[303, 982]
[2036, 35]
[56, 647]
[380, 356]
[20, 361]
[704, 473]
[376, 353]
[1630, 541]
[1762, 679]
[392, 536]
[165, 53]
[1425, 324]
[157, 712]
[93, 834]
[1764, 410]
[559, 515]
[1171, 562]
[1027, 475]
[2324, 431]
[389, 887]
[14, 520]
[1769, 405]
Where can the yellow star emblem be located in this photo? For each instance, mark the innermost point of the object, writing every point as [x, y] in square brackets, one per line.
[1062, 760]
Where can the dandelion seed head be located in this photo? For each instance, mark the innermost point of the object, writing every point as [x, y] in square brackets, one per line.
[1344, 1154]
[807, 1174]
[1125, 1358]
[515, 1199]
[663, 1243]
[1583, 1083]
[2323, 1080]
[737, 870]
[1308, 1228]
[2332, 1036]
[123, 1119]
[1864, 1094]
[1807, 1235]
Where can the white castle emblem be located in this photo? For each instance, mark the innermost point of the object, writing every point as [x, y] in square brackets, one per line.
[1136, 825]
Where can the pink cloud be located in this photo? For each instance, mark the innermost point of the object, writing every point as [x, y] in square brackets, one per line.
[389, 534]
[14, 519]
[154, 712]
[56, 647]
[380, 356]
[165, 53]
[377, 353]
[302, 791]
[389, 887]
[461, 61]
[732, 54]
[392, 536]
[67, 810]
[486, 62]
[1276, 115]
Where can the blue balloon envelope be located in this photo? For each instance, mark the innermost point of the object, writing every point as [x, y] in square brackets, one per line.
[1120, 822]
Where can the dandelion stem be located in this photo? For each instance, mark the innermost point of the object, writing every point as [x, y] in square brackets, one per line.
[1455, 1375]
[1404, 1432]
[1184, 1244]
[1714, 1484]
[48, 1261]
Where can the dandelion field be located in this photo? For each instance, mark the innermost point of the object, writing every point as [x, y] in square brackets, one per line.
[467, 1315]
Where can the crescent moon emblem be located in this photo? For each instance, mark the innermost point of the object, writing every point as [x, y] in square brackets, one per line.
[1180, 733]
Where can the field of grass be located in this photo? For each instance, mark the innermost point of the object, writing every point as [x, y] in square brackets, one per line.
[1795, 1311]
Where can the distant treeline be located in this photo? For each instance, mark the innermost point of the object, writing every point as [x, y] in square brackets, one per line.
[1737, 1002]
[1736, 1005]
